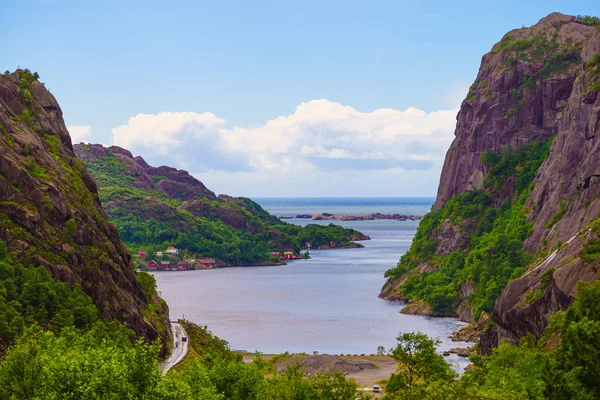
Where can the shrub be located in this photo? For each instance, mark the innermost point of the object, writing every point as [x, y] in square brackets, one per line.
[589, 20]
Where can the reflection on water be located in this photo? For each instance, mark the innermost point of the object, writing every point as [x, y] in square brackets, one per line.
[328, 303]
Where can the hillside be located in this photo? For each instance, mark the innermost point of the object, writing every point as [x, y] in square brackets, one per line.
[53, 228]
[515, 225]
[156, 207]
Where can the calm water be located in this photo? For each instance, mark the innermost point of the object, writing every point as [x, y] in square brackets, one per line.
[328, 303]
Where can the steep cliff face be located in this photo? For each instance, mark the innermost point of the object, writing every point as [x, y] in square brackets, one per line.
[537, 85]
[565, 202]
[50, 214]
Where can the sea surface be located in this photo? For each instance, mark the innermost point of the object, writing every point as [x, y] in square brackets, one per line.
[328, 303]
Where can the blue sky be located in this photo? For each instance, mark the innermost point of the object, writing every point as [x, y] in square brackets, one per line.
[253, 96]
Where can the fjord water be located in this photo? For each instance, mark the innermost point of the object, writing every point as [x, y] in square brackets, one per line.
[328, 303]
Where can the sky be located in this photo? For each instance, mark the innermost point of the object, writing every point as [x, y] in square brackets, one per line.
[269, 98]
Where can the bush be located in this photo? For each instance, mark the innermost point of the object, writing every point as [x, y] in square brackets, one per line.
[589, 20]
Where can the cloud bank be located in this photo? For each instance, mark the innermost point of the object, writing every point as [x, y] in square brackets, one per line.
[320, 135]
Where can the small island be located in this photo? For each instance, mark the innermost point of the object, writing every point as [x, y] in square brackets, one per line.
[350, 217]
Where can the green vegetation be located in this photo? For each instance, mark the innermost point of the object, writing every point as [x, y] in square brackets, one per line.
[26, 116]
[556, 58]
[560, 61]
[32, 296]
[26, 77]
[107, 362]
[589, 20]
[36, 170]
[512, 111]
[593, 66]
[563, 364]
[238, 231]
[529, 81]
[591, 247]
[419, 365]
[531, 371]
[492, 253]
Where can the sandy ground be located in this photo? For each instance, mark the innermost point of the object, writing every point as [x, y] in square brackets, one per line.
[366, 378]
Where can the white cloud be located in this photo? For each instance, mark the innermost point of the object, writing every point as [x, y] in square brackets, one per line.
[320, 137]
[79, 132]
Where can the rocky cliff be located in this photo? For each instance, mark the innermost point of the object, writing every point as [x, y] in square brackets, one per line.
[50, 214]
[537, 86]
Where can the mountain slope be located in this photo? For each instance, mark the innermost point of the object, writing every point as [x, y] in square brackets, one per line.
[519, 180]
[155, 207]
[50, 214]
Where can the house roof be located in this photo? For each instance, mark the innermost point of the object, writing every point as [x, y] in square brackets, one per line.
[171, 248]
[165, 262]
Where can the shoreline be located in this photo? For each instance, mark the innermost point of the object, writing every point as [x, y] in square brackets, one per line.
[352, 217]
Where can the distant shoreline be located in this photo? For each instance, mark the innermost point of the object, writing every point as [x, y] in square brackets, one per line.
[351, 217]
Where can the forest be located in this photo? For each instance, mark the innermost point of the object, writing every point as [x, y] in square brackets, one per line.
[237, 231]
[492, 252]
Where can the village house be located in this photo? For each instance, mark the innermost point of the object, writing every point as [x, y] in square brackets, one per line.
[159, 254]
[182, 266]
[142, 253]
[332, 244]
[152, 266]
[165, 265]
[172, 251]
[275, 254]
[288, 255]
[308, 245]
[207, 262]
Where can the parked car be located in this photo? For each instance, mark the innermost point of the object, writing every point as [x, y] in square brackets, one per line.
[184, 339]
[376, 388]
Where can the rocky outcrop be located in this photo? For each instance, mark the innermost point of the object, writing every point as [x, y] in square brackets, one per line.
[174, 183]
[535, 84]
[50, 214]
[365, 217]
[565, 199]
[514, 101]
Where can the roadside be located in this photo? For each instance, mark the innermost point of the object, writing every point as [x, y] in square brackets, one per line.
[179, 350]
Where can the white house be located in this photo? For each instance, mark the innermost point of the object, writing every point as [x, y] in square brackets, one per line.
[159, 253]
[172, 250]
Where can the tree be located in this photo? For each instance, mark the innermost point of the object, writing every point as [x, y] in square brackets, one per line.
[418, 363]
[380, 351]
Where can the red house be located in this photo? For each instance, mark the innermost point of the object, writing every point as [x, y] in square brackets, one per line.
[307, 245]
[152, 266]
[275, 254]
[142, 253]
[182, 266]
[207, 262]
[288, 255]
[332, 244]
[165, 265]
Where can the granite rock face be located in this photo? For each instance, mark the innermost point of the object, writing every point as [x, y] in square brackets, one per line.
[50, 214]
[535, 84]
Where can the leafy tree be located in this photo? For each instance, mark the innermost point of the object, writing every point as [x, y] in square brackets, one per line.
[418, 363]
